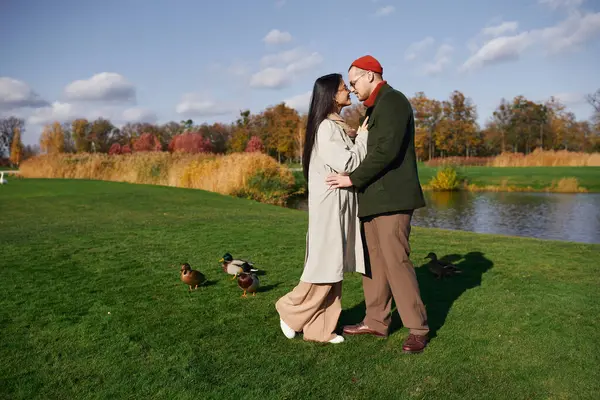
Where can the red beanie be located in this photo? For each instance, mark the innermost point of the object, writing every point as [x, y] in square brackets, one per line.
[368, 63]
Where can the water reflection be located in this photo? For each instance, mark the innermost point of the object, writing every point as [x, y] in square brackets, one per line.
[571, 217]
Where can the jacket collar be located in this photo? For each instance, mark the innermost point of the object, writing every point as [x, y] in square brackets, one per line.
[337, 118]
[370, 102]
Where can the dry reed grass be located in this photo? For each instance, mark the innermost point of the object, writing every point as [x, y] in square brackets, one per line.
[546, 158]
[537, 158]
[230, 174]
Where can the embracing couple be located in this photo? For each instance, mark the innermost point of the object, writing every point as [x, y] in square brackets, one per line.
[362, 190]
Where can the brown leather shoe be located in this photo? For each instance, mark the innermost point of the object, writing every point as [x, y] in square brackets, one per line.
[361, 329]
[415, 344]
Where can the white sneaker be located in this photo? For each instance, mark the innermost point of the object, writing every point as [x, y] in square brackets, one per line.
[287, 331]
[337, 339]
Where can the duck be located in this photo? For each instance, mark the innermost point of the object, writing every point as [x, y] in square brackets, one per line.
[248, 282]
[191, 277]
[441, 268]
[234, 266]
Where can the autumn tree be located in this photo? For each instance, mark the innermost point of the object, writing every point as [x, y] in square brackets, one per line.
[501, 122]
[100, 135]
[168, 131]
[16, 148]
[115, 148]
[80, 130]
[147, 142]
[457, 133]
[281, 124]
[594, 101]
[428, 114]
[52, 140]
[190, 142]
[241, 132]
[527, 124]
[218, 135]
[299, 137]
[255, 144]
[7, 129]
[353, 114]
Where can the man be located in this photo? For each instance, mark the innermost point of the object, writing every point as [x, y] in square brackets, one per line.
[388, 192]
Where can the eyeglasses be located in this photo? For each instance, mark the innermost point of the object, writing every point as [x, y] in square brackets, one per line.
[356, 80]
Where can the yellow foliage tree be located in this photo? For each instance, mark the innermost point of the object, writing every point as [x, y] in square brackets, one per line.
[16, 148]
[80, 130]
[52, 140]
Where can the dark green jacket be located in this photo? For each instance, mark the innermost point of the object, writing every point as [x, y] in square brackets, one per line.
[387, 179]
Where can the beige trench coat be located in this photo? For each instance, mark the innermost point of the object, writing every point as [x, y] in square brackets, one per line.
[333, 240]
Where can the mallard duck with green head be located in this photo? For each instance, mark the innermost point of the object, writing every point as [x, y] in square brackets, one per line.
[248, 282]
[235, 266]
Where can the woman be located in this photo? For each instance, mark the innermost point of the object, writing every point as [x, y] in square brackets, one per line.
[333, 240]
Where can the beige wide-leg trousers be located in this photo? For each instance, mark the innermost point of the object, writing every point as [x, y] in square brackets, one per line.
[313, 309]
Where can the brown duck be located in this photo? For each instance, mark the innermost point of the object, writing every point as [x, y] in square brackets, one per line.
[248, 282]
[440, 268]
[191, 277]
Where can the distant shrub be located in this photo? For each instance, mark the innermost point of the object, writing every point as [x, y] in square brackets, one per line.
[255, 144]
[190, 143]
[147, 142]
[114, 149]
[446, 179]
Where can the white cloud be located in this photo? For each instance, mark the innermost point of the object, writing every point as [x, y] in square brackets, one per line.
[383, 11]
[193, 104]
[281, 69]
[275, 36]
[57, 111]
[299, 102]
[442, 59]
[571, 99]
[305, 64]
[413, 51]
[283, 57]
[571, 33]
[568, 35]
[139, 114]
[67, 112]
[105, 86]
[272, 78]
[501, 29]
[554, 4]
[17, 94]
[499, 49]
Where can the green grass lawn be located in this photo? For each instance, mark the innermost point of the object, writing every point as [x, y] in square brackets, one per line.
[92, 306]
[536, 177]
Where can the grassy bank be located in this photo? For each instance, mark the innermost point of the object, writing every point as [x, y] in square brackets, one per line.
[520, 178]
[515, 178]
[92, 306]
[249, 175]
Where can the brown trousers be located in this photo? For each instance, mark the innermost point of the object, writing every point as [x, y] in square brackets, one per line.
[392, 274]
[313, 309]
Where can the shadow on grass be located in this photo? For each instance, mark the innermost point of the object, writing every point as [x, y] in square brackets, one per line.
[267, 288]
[437, 295]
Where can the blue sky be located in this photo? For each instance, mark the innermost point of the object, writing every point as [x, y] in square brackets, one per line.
[157, 61]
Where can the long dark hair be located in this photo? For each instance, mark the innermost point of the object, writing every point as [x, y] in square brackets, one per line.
[322, 103]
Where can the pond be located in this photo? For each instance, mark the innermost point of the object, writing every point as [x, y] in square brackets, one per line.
[569, 217]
